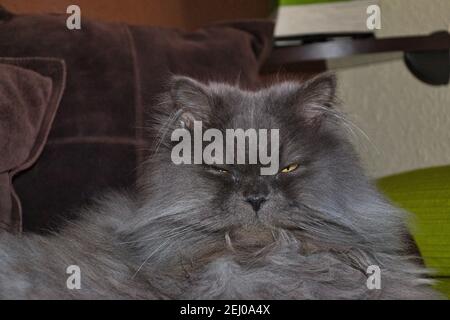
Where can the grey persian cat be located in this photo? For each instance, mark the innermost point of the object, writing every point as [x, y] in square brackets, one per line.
[227, 232]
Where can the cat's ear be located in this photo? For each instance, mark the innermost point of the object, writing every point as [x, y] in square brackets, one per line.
[191, 99]
[317, 96]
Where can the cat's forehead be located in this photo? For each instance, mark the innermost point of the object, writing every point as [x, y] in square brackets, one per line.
[248, 109]
[270, 108]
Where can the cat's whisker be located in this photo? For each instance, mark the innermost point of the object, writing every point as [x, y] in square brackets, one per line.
[347, 123]
[153, 237]
[164, 244]
[165, 128]
[167, 240]
[228, 242]
[145, 261]
[187, 229]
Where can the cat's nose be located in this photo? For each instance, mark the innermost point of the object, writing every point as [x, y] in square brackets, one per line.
[256, 201]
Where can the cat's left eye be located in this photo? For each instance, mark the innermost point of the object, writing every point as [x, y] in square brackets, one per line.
[290, 168]
[219, 169]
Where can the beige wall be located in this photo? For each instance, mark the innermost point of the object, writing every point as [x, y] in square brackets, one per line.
[407, 121]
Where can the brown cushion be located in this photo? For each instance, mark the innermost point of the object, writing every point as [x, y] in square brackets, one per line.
[115, 73]
[30, 90]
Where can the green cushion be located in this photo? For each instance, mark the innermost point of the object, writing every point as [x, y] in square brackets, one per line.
[426, 194]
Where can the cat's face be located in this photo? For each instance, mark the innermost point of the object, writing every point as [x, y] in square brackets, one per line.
[313, 156]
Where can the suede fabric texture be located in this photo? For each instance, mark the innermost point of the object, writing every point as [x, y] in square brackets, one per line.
[30, 91]
[115, 73]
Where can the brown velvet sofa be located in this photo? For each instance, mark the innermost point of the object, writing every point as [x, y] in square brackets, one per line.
[90, 92]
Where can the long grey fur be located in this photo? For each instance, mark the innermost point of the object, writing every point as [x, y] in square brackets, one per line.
[187, 233]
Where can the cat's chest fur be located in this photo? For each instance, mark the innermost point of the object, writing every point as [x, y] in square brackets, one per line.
[283, 272]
